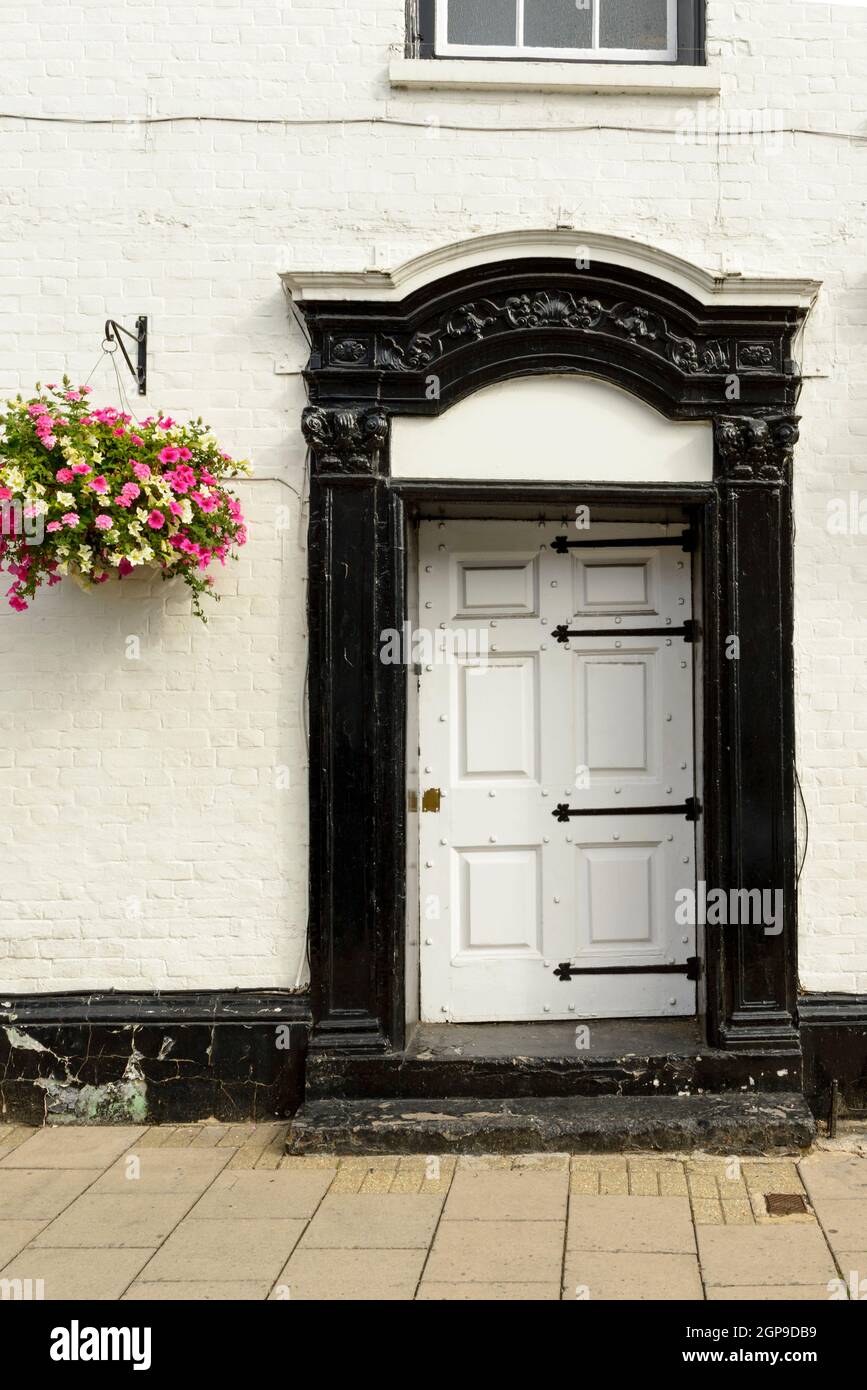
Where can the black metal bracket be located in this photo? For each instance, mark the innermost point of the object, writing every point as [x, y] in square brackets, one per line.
[690, 631]
[691, 968]
[691, 809]
[561, 545]
[140, 338]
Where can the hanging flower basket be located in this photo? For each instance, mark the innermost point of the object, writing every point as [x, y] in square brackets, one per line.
[92, 494]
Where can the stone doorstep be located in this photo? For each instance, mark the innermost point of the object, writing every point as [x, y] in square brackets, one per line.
[725, 1124]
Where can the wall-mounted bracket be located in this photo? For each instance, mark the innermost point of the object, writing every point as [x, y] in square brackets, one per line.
[140, 338]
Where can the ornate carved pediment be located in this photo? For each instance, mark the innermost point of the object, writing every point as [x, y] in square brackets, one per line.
[490, 322]
[756, 447]
[347, 440]
[550, 309]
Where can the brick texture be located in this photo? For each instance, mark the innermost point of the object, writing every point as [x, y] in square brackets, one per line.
[149, 839]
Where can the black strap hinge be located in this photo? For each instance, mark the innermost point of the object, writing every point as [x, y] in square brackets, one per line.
[561, 545]
[691, 809]
[690, 632]
[691, 968]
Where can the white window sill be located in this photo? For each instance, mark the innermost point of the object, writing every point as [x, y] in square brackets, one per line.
[491, 75]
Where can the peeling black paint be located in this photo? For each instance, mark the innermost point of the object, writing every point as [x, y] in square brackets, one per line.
[134, 1058]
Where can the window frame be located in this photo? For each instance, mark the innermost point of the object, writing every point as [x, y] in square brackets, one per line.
[426, 20]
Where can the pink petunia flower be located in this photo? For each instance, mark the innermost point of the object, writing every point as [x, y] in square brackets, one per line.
[142, 471]
[70, 518]
[81, 468]
[98, 484]
[103, 521]
[136, 441]
[125, 568]
[64, 475]
[169, 455]
[182, 479]
[53, 526]
[5, 494]
[73, 396]
[156, 520]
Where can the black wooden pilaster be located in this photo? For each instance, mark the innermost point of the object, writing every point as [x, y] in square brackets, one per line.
[756, 723]
[348, 502]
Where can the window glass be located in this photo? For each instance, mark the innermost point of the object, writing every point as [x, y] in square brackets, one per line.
[558, 23]
[633, 24]
[488, 22]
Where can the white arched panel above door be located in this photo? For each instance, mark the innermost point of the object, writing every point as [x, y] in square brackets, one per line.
[552, 428]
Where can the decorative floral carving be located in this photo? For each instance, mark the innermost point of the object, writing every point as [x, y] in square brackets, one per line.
[755, 355]
[345, 441]
[714, 356]
[549, 309]
[756, 447]
[349, 350]
[638, 324]
[470, 321]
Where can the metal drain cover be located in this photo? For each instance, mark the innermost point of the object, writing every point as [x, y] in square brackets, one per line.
[785, 1204]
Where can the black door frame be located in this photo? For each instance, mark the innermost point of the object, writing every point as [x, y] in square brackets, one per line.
[369, 361]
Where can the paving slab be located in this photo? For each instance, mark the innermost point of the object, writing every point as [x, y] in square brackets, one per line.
[597, 1275]
[212, 1251]
[764, 1255]
[431, 1292]
[631, 1225]
[264, 1192]
[164, 1170]
[103, 1274]
[73, 1146]
[853, 1273]
[200, 1292]
[390, 1275]
[502, 1252]
[834, 1175]
[370, 1221]
[520, 1194]
[14, 1235]
[844, 1221]
[137, 1220]
[769, 1293]
[36, 1194]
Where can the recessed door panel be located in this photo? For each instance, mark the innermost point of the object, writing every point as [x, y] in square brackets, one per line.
[616, 894]
[497, 717]
[608, 587]
[498, 902]
[614, 705]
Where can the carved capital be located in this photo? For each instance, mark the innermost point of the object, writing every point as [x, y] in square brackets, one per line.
[755, 447]
[347, 440]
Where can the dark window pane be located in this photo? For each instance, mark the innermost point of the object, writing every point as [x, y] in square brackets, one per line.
[558, 23]
[482, 21]
[633, 24]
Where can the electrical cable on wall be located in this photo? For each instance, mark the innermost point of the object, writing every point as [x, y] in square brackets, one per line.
[401, 123]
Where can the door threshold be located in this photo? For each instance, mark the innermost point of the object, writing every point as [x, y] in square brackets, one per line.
[603, 1037]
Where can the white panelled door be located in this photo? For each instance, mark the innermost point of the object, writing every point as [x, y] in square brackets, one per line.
[520, 724]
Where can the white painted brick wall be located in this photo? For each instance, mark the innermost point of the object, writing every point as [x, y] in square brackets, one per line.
[144, 841]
